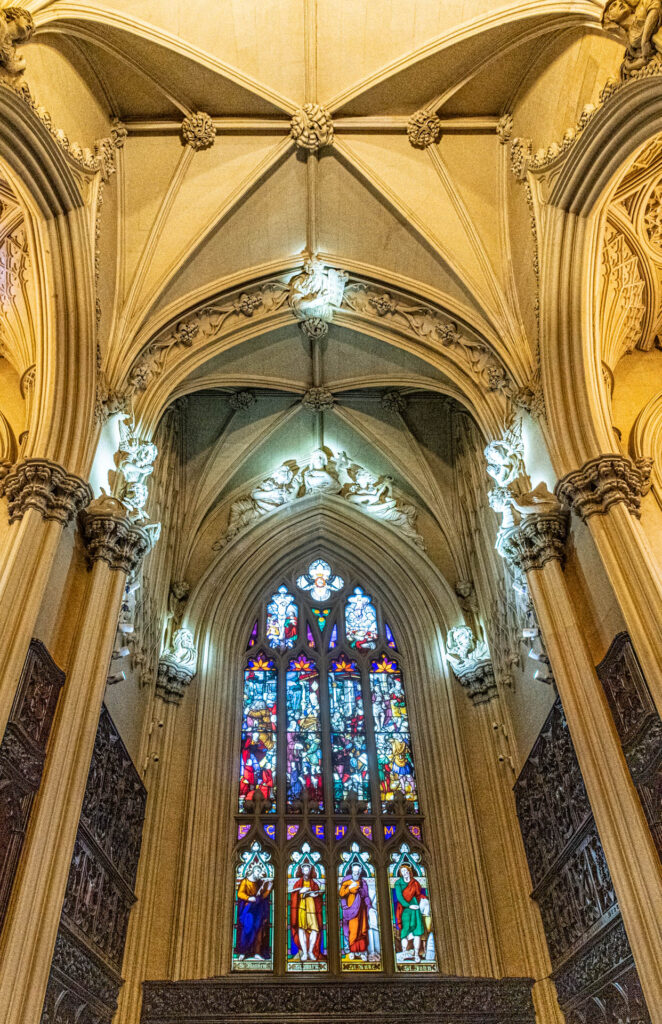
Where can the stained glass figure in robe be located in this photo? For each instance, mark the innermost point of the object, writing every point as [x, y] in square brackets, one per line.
[361, 621]
[392, 736]
[282, 618]
[360, 948]
[413, 935]
[252, 947]
[348, 742]
[304, 739]
[306, 897]
[320, 581]
[258, 735]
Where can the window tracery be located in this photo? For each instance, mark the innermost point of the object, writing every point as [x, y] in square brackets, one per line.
[330, 870]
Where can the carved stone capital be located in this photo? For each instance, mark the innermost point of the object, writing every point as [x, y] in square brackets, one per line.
[111, 536]
[479, 682]
[537, 539]
[46, 487]
[603, 482]
[171, 681]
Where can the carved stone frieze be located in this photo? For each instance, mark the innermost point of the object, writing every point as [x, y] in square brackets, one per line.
[46, 487]
[538, 539]
[223, 1000]
[198, 131]
[603, 482]
[318, 399]
[16, 28]
[112, 537]
[423, 129]
[311, 127]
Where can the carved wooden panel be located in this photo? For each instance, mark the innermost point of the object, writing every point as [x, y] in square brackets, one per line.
[85, 974]
[638, 725]
[22, 755]
[392, 1001]
[594, 972]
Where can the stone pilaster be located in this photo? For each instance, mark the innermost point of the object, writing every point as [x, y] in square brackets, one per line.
[115, 546]
[46, 487]
[536, 549]
[603, 482]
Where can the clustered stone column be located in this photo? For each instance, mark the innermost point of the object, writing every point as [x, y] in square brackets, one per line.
[42, 498]
[115, 546]
[535, 547]
[606, 493]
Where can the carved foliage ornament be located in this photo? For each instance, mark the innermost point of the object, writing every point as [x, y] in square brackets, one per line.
[423, 129]
[46, 487]
[311, 127]
[605, 481]
[111, 537]
[318, 399]
[538, 539]
[198, 131]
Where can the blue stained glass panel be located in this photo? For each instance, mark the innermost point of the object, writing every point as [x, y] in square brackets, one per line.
[258, 735]
[390, 639]
[348, 738]
[282, 620]
[304, 738]
[392, 736]
[333, 639]
[361, 621]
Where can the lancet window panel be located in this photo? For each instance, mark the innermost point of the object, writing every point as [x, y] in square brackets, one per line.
[330, 862]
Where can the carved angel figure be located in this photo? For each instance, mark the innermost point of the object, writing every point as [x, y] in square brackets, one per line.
[135, 463]
[375, 495]
[268, 495]
[464, 651]
[16, 27]
[505, 460]
[637, 21]
[320, 475]
[315, 292]
[182, 652]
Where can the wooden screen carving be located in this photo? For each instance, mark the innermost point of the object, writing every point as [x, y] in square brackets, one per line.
[22, 755]
[85, 974]
[638, 725]
[593, 968]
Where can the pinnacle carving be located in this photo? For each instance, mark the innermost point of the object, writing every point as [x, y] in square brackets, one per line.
[311, 127]
[198, 131]
[423, 129]
[539, 538]
[46, 487]
[603, 482]
[111, 536]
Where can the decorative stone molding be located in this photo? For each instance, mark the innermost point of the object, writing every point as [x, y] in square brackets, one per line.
[318, 399]
[504, 129]
[423, 129]
[46, 487]
[394, 401]
[16, 28]
[605, 481]
[311, 127]
[198, 131]
[27, 381]
[110, 535]
[177, 666]
[472, 667]
[637, 24]
[241, 400]
[537, 539]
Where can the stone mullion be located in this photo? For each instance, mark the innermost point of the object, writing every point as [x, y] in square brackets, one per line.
[537, 549]
[115, 546]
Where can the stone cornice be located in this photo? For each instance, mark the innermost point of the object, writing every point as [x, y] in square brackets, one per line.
[171, 682]
[603, 482]
[479, 682]
[110, 536]
[46, 487]
[538, 539]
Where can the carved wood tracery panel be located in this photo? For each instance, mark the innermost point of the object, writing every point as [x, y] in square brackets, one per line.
[22, 755]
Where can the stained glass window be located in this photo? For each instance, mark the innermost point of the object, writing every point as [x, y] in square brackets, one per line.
[306, 911]
[360, 946]
[348, 741]
[361, 621]
[252, 947]
[304, 737]
[328, 816]
[392, 737]
[258, 734]
[282, 620]
[411, 912]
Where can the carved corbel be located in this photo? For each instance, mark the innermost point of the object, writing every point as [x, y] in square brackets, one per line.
[471, 663]
[177, 667]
